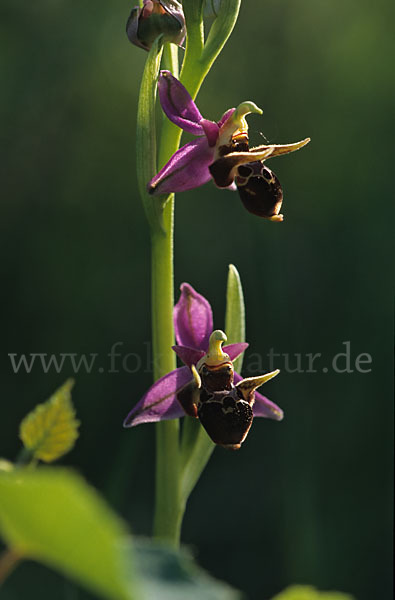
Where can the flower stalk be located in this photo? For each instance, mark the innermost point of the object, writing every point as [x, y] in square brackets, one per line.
[168, 509]
[178, 466]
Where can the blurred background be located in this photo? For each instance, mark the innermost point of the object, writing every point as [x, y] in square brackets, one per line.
[308, 500]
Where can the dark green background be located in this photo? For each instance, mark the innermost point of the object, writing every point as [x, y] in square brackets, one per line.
[305, 500]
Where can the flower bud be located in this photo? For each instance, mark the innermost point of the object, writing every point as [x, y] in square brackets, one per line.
[156, 17]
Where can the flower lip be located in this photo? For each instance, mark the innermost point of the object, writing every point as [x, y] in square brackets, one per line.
[259, 188]
[224, 169]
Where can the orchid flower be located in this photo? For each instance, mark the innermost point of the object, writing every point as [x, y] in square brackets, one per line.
[221, 152]
[206, 387]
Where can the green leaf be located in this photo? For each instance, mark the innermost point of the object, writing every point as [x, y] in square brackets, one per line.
[200, 56]
[235, 312]
[306, 592]
[171, 575]
[55, 517]
[51, 429]
[146, 135]
[220, 31]
[193, 11]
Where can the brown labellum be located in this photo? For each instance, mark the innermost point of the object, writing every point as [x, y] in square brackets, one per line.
[226, 417]
[224, 410]
[259, 189]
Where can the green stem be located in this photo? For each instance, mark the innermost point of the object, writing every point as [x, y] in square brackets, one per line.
[170, 501]
[177, 469]
[168, 513]
[174, 481]
[196, 449]
[169, 508]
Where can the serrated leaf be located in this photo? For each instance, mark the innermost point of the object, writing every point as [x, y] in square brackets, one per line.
[51, 429]
[306, 592]
[235, 312]
[53, 516]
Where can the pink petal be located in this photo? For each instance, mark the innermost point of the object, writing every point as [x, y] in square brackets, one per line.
[189, 356]
[263, 407]
[187, 169]
[178, 105]
[160, 402]
[234, 350]
[211, 130]
[225, 117]
[193, 319]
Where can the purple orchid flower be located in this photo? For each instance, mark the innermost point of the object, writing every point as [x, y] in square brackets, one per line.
[208, 370]
[221, 152]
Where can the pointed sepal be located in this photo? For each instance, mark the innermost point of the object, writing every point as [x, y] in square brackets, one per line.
[160, 402]
[193, 319]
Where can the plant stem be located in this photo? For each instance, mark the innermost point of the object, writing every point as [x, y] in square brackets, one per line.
[169, 502]
[174, 481]
[173, 484]
[168, 514]
[169, 509]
